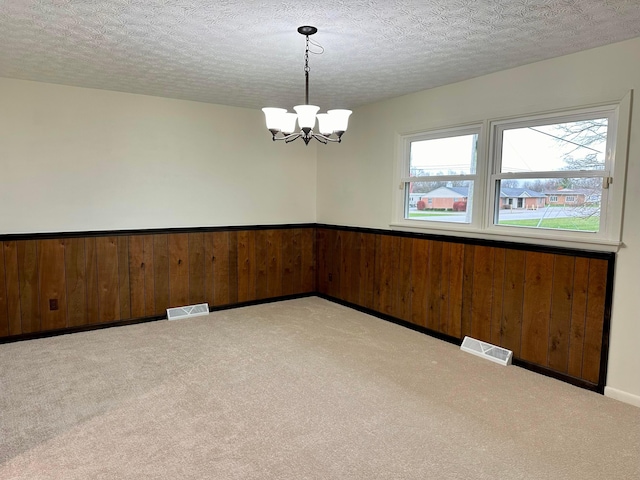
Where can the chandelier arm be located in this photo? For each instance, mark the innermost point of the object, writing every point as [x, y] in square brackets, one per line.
[290, 138]
[324, 139]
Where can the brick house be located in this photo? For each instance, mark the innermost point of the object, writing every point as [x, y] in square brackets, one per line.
[443, 198]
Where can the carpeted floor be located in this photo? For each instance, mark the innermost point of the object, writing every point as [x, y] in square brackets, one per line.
[303, 389]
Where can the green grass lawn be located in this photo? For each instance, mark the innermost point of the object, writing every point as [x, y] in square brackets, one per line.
[591, 224]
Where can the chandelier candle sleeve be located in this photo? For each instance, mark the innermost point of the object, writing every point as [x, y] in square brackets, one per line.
[282, 124]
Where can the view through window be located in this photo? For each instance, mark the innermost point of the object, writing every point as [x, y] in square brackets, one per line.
[442, 176]
[552, 176]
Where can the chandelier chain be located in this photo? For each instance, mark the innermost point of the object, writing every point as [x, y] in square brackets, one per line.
[306, 73]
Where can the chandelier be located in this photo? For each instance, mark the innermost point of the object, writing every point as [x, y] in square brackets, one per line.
[282, 124]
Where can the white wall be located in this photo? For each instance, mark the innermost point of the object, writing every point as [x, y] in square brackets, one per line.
[74, 159]
[355, 181]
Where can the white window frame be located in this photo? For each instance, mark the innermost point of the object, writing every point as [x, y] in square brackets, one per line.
[609, 232]
[402, 180]
[487, 167]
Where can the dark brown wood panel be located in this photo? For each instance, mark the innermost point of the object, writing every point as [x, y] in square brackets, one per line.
[288, 261]
[76, 279]
[209, 268]
[12, 277]
[433, 286]
[247, 266]
[149, 276]
[107, 271]
[402, 306]
[178, 269]
[334, 259]
[497, 297]
[456, 286]
[296, 235]
[536, 316]
[596, 294]
[481, 297]
[560, 323]
[367, 270]
[221, 268]
[467, 289]
[196, 269]
[124, 282]
[233, 267]
[262, 262]
[274, 263]
[445, 284]
[4, 315]
[355, 260]
[161, 274]
[137, 276]
[52, 284]
[346, 267]
[419, 280]
[387, 262]
[322, 273]
[29, 291]
[578, 316]
[91, 266]
[308, 249]
[377, 278]
[513, 292]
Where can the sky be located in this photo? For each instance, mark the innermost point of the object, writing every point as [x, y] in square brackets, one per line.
[524, 150]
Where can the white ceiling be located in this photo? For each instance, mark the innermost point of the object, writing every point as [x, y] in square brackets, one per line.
[247, 53]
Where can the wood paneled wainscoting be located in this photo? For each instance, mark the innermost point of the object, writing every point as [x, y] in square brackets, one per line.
[68, 282]
[550, 306]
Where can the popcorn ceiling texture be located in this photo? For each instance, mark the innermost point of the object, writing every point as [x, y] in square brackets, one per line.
[247, 53]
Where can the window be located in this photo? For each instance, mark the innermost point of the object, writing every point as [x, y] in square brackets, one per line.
[546, 178]
[566, 156]
[441, 167]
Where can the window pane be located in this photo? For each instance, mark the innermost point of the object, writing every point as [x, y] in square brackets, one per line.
[561, 146]
[439, 201]
[444, 156]
[550, 203]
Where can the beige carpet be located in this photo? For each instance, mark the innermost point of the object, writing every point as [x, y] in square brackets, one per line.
[303, 389]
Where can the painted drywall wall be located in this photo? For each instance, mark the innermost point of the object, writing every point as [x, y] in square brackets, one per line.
[77, 159]
[355, 182]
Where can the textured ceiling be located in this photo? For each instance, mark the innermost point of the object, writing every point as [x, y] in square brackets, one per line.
[247, 53]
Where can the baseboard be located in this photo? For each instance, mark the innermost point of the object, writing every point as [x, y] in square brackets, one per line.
[623, 396]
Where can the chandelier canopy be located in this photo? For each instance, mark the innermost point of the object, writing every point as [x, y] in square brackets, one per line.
[282, 124]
